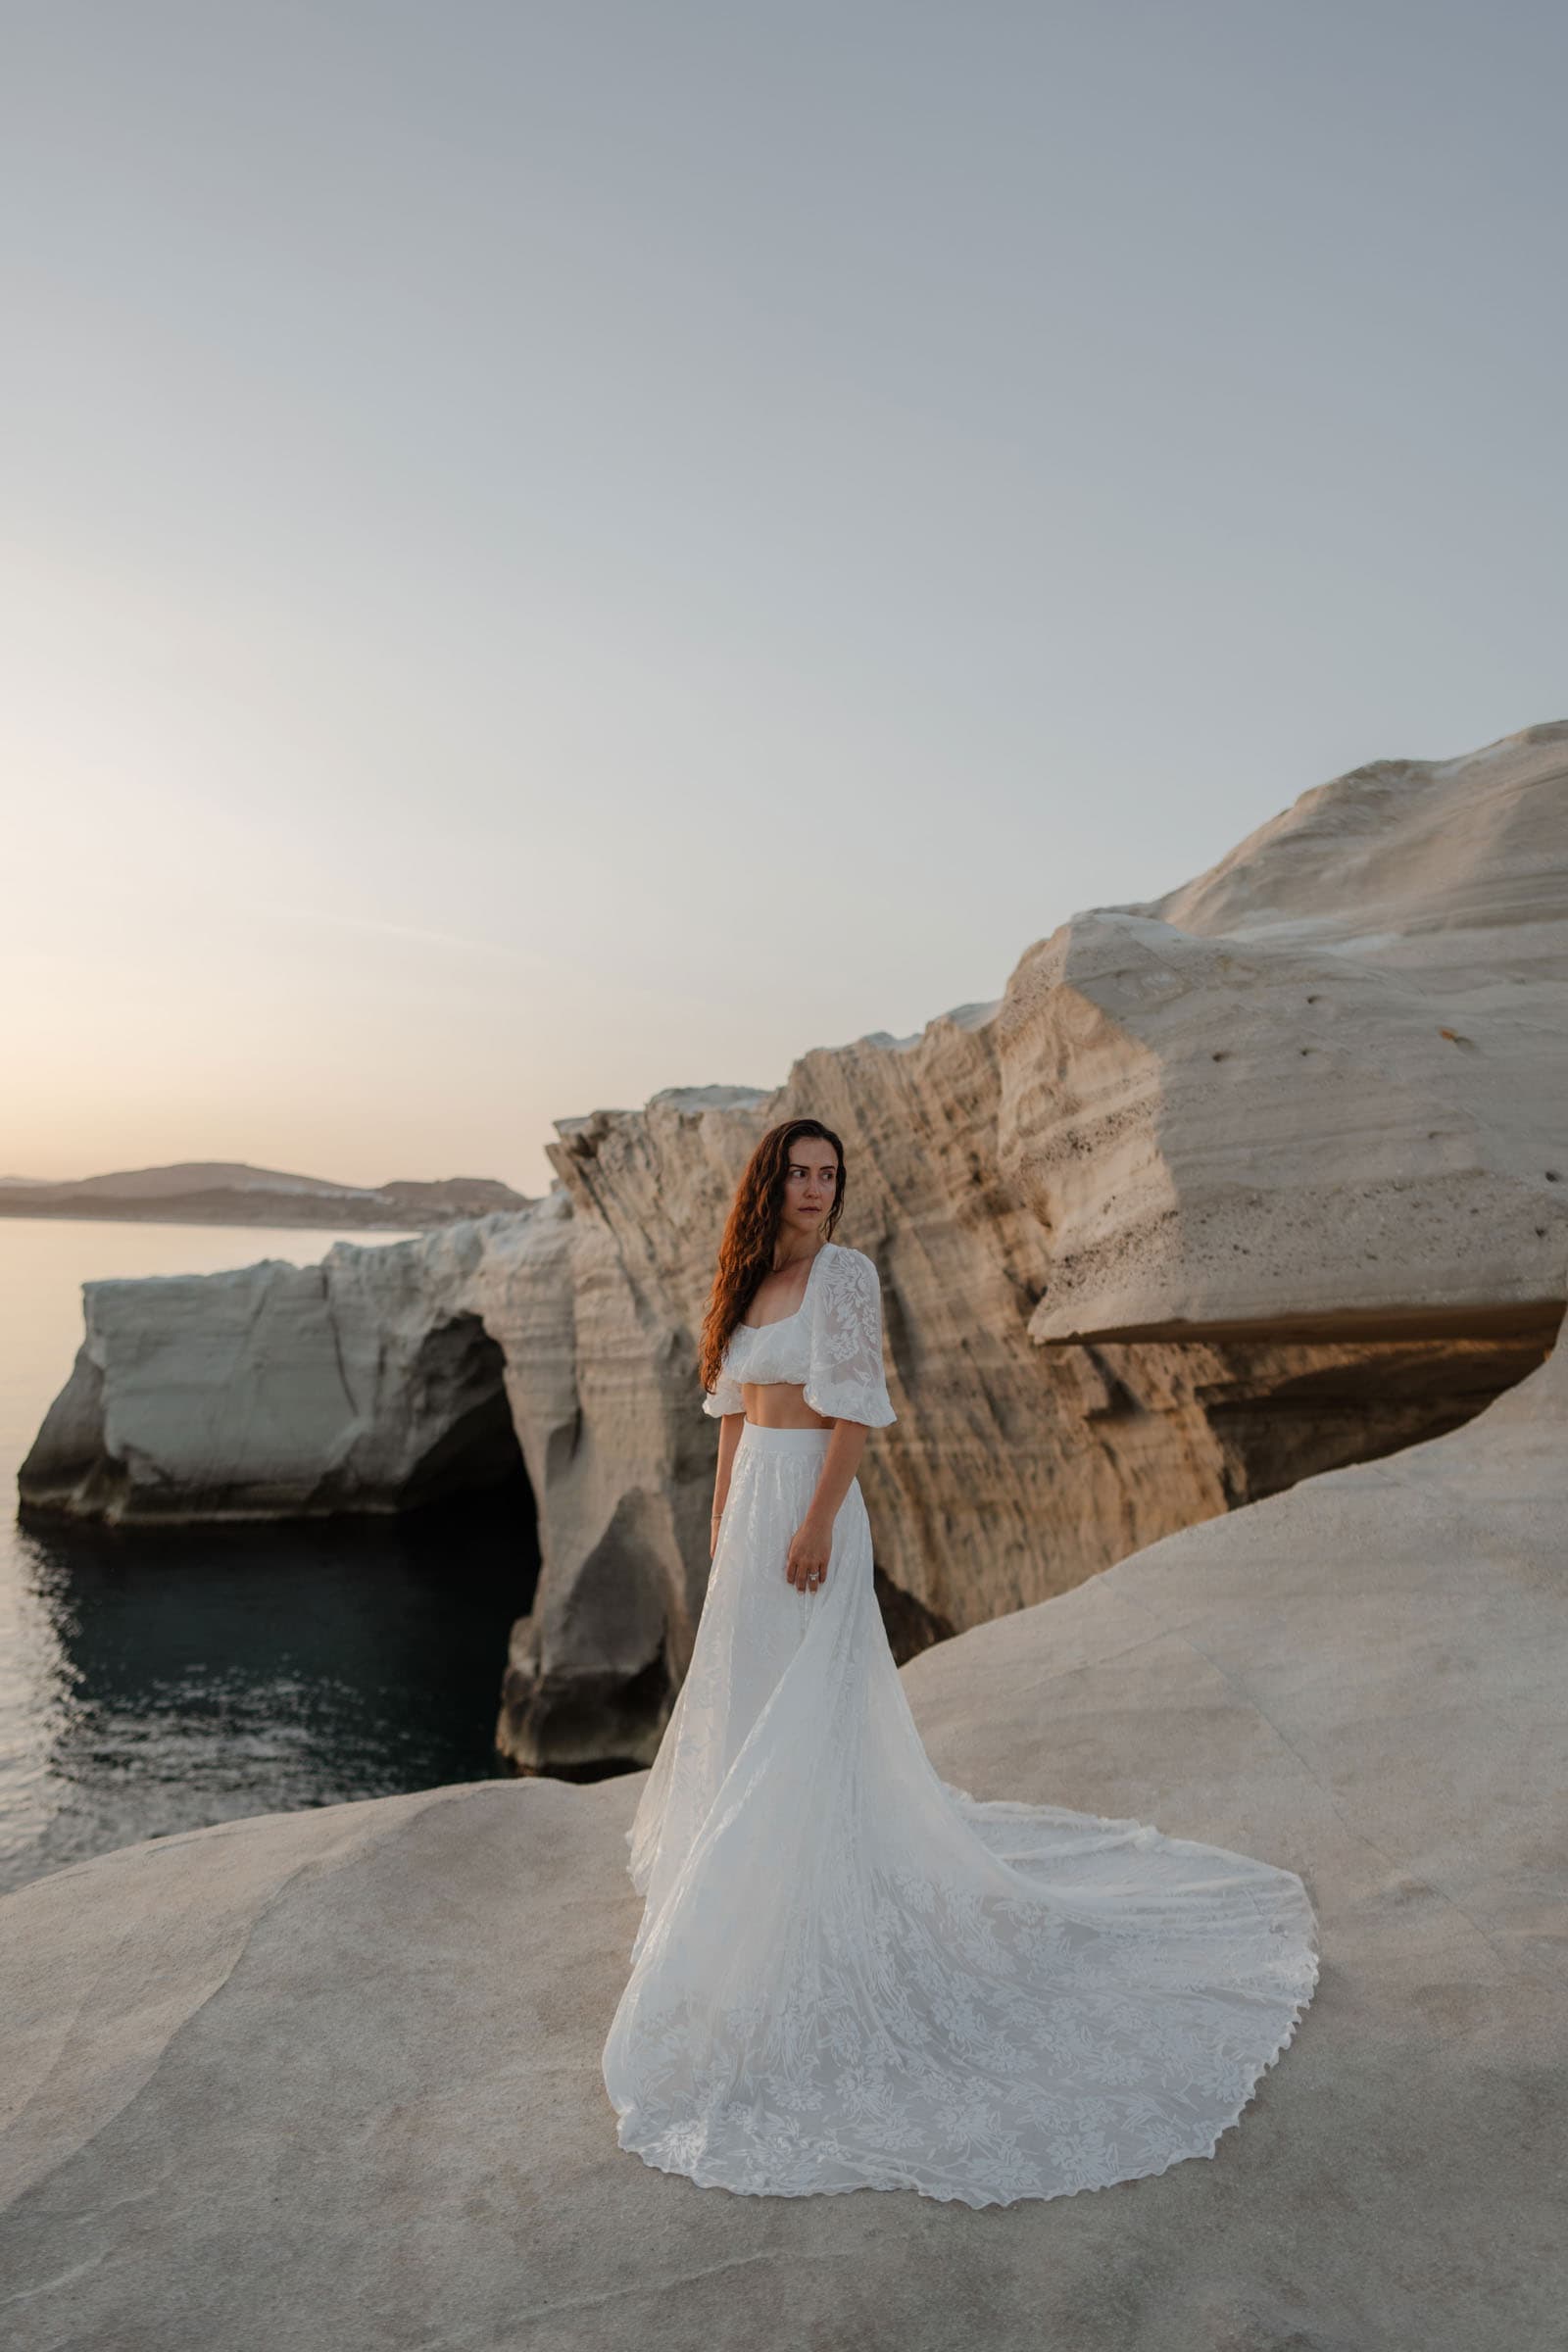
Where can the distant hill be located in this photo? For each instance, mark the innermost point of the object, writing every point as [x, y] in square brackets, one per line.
[218, 1192]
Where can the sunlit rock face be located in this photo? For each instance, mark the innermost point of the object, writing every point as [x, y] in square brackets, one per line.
[1226, 1189]
[369, 2034]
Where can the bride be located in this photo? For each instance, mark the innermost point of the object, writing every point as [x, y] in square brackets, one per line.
[850, 1974]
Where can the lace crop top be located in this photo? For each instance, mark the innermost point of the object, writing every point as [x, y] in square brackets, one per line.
[831, 1345]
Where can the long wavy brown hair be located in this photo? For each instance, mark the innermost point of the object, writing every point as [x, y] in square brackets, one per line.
[746, 1253]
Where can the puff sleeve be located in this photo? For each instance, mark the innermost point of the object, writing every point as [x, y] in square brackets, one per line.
[726, 1398]
[846, 1381]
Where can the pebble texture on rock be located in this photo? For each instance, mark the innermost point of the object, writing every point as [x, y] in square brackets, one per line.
[332, 2077]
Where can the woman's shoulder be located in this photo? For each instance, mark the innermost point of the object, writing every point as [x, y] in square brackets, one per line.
[848, 1260]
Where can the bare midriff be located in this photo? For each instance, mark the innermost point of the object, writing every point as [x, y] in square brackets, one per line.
[780, 1405]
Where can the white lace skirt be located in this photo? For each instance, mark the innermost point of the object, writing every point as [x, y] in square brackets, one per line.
[851, 1974]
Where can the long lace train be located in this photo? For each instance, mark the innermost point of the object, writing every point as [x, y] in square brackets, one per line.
[850, 1973]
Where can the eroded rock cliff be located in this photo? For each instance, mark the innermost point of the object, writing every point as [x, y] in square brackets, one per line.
[1227, 1189]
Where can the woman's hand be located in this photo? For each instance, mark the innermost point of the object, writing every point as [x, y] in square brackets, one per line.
[713, 1526]
[810, 1547]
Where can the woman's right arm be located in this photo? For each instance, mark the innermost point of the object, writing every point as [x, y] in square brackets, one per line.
[729, 1437]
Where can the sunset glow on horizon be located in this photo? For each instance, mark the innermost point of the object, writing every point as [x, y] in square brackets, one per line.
[549, 557]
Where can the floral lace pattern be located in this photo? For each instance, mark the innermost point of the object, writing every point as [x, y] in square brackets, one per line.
[850, 1973]
[846, 1382]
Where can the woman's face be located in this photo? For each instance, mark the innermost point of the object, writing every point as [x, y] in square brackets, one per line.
[810, 1183]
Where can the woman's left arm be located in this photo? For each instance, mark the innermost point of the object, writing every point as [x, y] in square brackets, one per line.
[812, 1541]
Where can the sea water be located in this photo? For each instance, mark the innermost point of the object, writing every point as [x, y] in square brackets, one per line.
[157, 1680]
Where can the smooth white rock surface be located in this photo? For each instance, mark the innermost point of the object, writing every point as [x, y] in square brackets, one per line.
[331, 2079]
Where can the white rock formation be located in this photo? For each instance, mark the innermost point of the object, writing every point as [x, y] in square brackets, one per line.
[1130, 1284]
[331, 2077]
[275, 1391]
[1326, 1084]
[1264, 1177]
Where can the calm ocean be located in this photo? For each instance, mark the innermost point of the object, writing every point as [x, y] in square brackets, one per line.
[153, 1682]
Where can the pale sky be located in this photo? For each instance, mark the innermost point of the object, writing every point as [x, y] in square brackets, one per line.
[550, 552]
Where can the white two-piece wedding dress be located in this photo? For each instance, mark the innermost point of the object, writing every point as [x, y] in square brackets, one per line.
[851, 1974]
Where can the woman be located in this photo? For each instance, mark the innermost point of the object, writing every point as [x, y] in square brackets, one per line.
[850, 1973]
